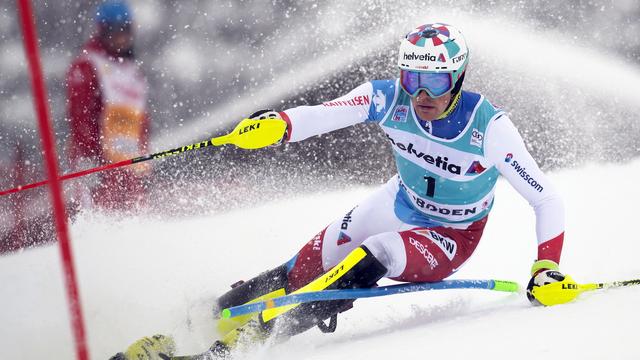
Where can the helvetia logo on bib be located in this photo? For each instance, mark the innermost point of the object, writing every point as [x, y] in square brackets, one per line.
[475, 168]
[441, 162]
[343, 239]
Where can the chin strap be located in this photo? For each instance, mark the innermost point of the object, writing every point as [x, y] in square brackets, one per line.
[452, 106]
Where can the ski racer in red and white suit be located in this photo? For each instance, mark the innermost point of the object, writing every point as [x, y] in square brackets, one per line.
[400, 232]
[450, 147]
[107, 112]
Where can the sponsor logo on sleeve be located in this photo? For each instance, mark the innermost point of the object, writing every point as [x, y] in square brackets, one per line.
[400, 113]
[522, 171]
[355, 101]
[380, 101]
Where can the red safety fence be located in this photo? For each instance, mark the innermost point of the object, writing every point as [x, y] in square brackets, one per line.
[55, 189]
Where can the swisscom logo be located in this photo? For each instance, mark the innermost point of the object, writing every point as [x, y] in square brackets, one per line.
[522, 171]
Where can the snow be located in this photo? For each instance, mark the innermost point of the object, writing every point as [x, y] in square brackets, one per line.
[527, 56]
[140, 276]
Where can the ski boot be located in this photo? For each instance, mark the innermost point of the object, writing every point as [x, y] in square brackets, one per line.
[360, 269]
[268, 285]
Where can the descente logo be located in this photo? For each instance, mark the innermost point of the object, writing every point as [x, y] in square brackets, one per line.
[421, 57]
[431, 260]
[438, 161]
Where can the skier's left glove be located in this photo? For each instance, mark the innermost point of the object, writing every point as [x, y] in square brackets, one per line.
[548, 286]
[270, 114]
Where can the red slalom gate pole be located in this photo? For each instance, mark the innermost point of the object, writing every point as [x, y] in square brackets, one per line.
[159, 155]
[48, 146]
[67, 176]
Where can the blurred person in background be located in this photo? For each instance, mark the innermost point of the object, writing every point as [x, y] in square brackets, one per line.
[107, 111]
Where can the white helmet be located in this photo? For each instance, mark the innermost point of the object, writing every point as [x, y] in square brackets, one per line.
[433, 49]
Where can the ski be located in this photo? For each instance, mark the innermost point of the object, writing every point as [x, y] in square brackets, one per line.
[325, 295]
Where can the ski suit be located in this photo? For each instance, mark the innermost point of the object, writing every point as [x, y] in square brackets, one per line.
[109, 122]
[427, 220]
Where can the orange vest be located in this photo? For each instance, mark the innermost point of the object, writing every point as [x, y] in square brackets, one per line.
[124, 94]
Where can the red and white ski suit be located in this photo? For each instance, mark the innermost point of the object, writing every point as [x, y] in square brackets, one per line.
[109, 122]
[414, 236]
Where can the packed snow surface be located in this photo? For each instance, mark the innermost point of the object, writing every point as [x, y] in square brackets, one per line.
[140, 276]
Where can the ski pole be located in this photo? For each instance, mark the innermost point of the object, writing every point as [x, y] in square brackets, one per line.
[562, 292]
[613, 284]
[248, 134]
[325, 295]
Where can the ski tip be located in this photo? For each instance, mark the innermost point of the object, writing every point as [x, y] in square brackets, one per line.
[226, 314]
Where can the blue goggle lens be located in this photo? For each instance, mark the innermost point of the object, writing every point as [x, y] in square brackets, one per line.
[435, 84]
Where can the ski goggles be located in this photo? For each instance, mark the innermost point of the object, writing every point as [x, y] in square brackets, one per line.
[435, 84]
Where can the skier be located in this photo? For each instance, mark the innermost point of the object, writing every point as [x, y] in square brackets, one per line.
[107, 111]
[450, 148]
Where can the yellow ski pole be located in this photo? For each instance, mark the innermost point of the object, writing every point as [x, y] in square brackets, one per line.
[613, 284]
[248, 134]
[567, 290]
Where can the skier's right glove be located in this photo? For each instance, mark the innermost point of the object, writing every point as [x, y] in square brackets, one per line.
[548, 286]
[270, 114]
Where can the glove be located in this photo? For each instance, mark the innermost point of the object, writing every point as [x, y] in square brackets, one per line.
[263, 128]
[265, 114]
[270, 114]
[156, 347]
[548, 286]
